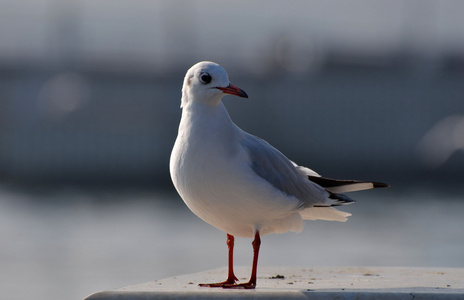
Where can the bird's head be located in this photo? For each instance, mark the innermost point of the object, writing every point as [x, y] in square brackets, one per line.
[208, 82]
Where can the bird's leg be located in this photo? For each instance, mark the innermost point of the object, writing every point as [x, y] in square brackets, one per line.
[251, 284]
[230, 245]
[231, 279]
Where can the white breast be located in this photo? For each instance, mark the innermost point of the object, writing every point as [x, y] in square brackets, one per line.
[216, 182]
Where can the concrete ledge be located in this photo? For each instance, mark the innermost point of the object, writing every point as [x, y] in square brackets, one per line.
[304, 283]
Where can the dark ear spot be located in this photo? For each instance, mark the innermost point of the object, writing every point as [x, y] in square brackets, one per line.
[189, 81]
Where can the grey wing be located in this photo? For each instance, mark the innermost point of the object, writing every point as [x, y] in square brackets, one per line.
[271, 165]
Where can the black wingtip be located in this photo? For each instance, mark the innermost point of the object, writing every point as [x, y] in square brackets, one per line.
[380, 185]
[329, 182]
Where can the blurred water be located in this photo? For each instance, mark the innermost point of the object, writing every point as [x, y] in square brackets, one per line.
[67, 244]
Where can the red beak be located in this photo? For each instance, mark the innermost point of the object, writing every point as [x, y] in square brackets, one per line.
[233, 90]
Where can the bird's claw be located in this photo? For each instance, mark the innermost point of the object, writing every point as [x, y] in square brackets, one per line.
[217, 284]
[245, 286]
[229, 285]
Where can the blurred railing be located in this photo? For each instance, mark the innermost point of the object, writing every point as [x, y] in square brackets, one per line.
[343, 120]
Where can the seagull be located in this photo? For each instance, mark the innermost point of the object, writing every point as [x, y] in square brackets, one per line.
[238, 182]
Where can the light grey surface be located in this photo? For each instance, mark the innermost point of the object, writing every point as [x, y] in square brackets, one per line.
[302, 283]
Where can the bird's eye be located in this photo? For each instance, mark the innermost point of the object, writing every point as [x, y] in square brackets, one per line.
[205, 78]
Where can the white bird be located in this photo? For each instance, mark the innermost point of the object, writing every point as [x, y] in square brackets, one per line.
[239, 183]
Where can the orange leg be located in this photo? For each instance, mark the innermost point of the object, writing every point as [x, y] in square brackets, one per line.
[251, 284]
[231, 279]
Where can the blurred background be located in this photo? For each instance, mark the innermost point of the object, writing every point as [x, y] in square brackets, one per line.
[89, 108]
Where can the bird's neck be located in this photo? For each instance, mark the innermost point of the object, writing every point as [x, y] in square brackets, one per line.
[205, 114]
[209, 122]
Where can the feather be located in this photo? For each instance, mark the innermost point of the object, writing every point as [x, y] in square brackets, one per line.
[324, 213]
[345, 186]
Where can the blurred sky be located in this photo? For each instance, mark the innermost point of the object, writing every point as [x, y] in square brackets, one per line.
[171, 33]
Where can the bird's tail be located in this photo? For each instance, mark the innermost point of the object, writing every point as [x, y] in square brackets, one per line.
[344, 186]
[324, 213]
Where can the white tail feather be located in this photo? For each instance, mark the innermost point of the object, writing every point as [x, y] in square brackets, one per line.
[306, 171]
[350, 187]
[324, 213]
